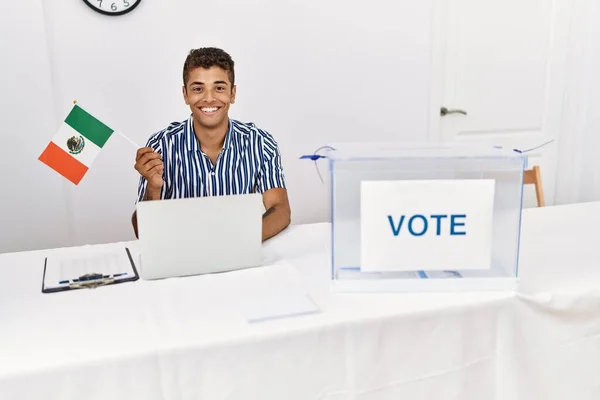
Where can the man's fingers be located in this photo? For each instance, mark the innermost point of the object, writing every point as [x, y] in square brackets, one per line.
[148, 162]
[143, 169]
[153, 163]
[146, 158]
[145, 152]
[142, 151]
[149, 156]
[159, 168]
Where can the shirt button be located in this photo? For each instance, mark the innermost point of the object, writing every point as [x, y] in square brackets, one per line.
[212, 173]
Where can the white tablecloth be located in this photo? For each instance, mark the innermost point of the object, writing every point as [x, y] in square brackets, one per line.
[554, 340]
[187, 338]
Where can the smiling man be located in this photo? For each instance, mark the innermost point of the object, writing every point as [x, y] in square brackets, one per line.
[210, 154]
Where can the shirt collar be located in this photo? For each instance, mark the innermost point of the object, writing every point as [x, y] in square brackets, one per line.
[192, 141]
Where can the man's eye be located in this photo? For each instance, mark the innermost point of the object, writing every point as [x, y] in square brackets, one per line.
[197, 89]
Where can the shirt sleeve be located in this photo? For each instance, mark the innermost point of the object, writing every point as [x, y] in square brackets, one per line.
[271, 175]
[155, 143]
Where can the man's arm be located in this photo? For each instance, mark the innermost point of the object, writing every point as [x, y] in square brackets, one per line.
[278, 214]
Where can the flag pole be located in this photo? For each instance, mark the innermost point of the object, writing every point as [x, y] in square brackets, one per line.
[129, 140]
[122, 135]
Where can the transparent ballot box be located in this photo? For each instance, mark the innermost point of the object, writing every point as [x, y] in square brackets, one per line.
[425, 217]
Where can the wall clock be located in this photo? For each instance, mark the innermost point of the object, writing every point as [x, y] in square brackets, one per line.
[112, 7]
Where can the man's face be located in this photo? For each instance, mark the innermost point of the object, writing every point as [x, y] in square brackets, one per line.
[209, 93]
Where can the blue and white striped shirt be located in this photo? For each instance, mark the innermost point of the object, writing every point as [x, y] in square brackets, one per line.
[249, 162]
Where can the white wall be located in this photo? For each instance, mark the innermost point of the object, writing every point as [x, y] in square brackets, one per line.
[33, 203]
[578, 177]
[310, 72]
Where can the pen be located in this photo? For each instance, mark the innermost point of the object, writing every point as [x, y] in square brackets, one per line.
[98, 276]
[90, 277]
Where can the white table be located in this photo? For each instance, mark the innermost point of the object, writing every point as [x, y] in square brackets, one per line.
[187, 339]
[554, 337]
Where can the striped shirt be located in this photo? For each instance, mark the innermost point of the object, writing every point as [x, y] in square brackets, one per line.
[249, 162]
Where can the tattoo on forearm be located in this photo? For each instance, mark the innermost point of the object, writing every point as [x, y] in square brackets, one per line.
[269, 212]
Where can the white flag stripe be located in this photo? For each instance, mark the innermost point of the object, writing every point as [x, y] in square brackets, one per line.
[90, 150]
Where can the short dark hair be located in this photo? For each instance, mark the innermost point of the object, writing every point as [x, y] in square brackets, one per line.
[207, 57]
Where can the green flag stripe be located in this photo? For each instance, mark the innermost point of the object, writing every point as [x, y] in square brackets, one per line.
[87, 125]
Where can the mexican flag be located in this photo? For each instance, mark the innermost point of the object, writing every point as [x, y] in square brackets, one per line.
[76, 144]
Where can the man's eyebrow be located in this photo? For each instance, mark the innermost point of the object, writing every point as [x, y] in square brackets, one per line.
[202, 83]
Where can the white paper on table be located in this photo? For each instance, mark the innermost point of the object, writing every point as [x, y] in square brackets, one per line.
[62, 269]
[274, 292]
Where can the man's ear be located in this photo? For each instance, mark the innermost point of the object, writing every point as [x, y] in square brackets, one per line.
[233, 90]
[184, 92]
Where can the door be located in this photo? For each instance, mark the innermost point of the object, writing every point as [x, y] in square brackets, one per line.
[498, 79]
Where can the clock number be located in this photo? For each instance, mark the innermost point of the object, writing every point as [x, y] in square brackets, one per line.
[100, 1]
[113, 7]
[125, 3]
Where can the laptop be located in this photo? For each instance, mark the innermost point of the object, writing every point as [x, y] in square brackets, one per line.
[202, 235]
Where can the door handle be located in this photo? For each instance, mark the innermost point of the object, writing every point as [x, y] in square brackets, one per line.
[445, 111]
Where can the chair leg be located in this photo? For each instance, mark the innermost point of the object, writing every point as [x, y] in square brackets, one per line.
[539, 191]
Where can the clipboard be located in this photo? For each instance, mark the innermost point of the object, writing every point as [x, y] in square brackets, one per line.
[100, 276]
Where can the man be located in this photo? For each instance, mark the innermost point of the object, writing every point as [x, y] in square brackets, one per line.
[210, 154]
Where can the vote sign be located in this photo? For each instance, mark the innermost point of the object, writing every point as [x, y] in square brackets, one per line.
[426, 225]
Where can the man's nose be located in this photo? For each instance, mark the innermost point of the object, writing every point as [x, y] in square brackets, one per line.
[208, 97]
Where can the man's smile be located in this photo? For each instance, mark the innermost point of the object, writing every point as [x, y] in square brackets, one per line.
[209, 110]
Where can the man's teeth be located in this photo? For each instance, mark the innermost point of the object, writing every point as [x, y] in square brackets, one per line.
[209, 109]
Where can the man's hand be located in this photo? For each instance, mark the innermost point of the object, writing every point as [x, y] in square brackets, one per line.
[149, 164]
